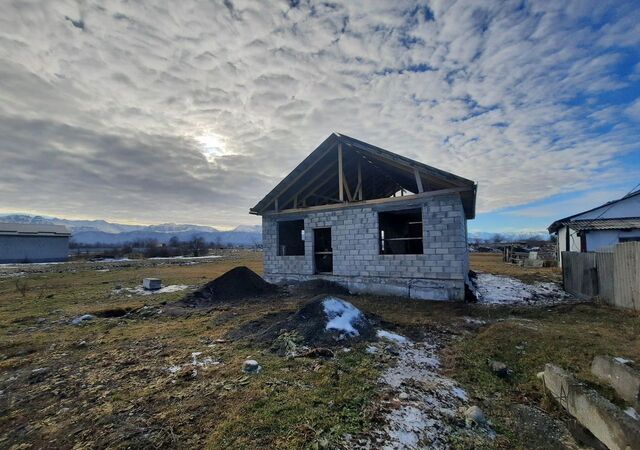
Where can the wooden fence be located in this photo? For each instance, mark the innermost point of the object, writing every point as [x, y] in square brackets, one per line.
[579, 274]
[612, 277]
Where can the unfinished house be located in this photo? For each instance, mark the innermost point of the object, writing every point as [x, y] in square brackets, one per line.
[370, 220]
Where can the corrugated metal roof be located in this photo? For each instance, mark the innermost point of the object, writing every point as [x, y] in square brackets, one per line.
[605, 224]
[24, 229]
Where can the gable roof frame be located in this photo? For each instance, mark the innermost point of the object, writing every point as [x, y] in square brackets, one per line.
[399, 167]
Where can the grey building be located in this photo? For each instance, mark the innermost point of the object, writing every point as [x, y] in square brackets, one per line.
[370, 220]
[27, 243]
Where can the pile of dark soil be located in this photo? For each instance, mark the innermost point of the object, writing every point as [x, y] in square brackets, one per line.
[317, 287]
[238, 283]
[309, 323]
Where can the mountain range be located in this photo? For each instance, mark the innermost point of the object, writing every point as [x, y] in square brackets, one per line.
[101, 231]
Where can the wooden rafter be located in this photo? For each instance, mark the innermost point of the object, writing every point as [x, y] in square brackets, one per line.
[418, 180]
[340, 174]
[313, 180]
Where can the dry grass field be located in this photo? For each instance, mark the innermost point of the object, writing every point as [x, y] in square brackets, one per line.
[107, 383]
[492, 263]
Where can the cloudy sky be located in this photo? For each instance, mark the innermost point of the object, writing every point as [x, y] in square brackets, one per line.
[191, 111]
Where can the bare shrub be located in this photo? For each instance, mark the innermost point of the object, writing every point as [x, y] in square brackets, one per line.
[21, 286]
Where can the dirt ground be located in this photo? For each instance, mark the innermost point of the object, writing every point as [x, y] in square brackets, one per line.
[158, 378]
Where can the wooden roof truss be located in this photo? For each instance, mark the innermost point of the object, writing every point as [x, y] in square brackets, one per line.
[343, 170]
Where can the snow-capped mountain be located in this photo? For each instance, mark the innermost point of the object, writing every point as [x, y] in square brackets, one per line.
[101, 231]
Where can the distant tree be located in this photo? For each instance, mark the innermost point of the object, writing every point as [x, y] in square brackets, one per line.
[197, 245]
[174, 241]
[497, 238]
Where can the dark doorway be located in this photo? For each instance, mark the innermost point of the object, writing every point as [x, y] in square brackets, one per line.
[583, 241]
[323, 253]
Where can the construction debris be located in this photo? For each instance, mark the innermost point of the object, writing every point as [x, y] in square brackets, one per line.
[620, 375]
[251, 366]
[612, 426]
[151, 284]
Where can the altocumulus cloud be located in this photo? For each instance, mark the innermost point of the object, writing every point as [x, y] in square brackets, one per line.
[190, 111]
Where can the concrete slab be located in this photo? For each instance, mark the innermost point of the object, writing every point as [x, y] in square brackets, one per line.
[603, 419]
[622, 377]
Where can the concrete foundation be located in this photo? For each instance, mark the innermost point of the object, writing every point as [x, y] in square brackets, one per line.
[603, 419]
[415, 288]
[621, 377]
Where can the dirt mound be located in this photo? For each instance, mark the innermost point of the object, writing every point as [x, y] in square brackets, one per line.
[323, 321]
[317, 287]
[239, 282]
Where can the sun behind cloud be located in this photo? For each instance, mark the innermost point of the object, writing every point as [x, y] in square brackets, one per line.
[212, 145]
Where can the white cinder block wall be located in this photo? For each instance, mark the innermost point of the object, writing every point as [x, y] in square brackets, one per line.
[437, 274]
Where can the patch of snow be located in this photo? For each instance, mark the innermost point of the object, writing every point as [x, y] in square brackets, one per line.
[631, 412]
[342, 316]
[196, 361]
[12, 274]
[472, 321]
[427, 422]
[11, 265]
[428, 413]
[503, 290]
[372, 350]
[414, 362]
[186, 257]
[622, 360]
[460, 393]
[204, 362]
[139, 290]
[83, 318]
[393, 337]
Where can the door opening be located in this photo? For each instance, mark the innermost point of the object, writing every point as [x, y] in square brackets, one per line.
[323, 253]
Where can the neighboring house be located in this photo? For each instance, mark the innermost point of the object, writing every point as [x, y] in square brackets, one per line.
[26, 243]
[370, 220]
[599, 228]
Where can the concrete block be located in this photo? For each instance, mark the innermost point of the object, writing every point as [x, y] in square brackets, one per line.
[624, 379]
[603, 419]
[152, 284]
